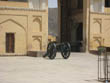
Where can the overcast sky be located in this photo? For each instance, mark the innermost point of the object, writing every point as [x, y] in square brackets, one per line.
[52, 3]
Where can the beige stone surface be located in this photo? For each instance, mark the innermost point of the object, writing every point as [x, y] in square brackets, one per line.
[14, 4]
[107, 10]
[99, 30]
[97, 27]
[79, 68]
[30, 27]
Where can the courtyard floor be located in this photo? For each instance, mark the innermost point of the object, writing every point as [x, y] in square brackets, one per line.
[79, 68]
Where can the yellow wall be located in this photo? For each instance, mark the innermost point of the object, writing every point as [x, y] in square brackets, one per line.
[99, 30]
[107, 10]
[9, 24]
[30, 28]
[99, 24]
[14, 4]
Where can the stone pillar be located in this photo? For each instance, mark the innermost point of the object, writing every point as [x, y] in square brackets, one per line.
[86, 19]
[59, 21]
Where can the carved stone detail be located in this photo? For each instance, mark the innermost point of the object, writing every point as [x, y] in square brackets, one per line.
[39, 20]
[13, 22]
[39, 39]
[99, 21]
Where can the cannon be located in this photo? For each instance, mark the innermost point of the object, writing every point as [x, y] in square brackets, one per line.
[54, 47]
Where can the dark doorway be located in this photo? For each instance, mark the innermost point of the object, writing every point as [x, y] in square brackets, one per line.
[79, 37]
[10, 42]
[107, 3]
[72, 23]
[79, 32]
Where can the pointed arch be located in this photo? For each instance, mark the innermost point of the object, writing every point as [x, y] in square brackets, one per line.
[39, 39]
[13, 22]
[98, 23]
[38, 20]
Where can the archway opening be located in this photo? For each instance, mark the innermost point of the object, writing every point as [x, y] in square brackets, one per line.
[71, 23]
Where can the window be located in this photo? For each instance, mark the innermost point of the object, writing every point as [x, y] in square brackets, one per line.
[10, 42]
[43, 4]
[38, 4]
[97, 5]
[107, 3]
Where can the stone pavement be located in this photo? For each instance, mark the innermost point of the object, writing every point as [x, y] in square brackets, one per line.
[79, 68]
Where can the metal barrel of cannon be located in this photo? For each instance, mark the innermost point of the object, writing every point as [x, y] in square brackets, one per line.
[103, 64]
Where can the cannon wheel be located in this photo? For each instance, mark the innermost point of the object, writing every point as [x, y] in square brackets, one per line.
[52, 50]
[66, 50]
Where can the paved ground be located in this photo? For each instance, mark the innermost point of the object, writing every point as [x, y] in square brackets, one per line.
[79, 68]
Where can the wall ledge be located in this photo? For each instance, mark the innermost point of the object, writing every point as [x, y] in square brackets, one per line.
[24, 9]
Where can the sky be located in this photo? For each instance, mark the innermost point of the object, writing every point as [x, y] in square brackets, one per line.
[52, 3]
